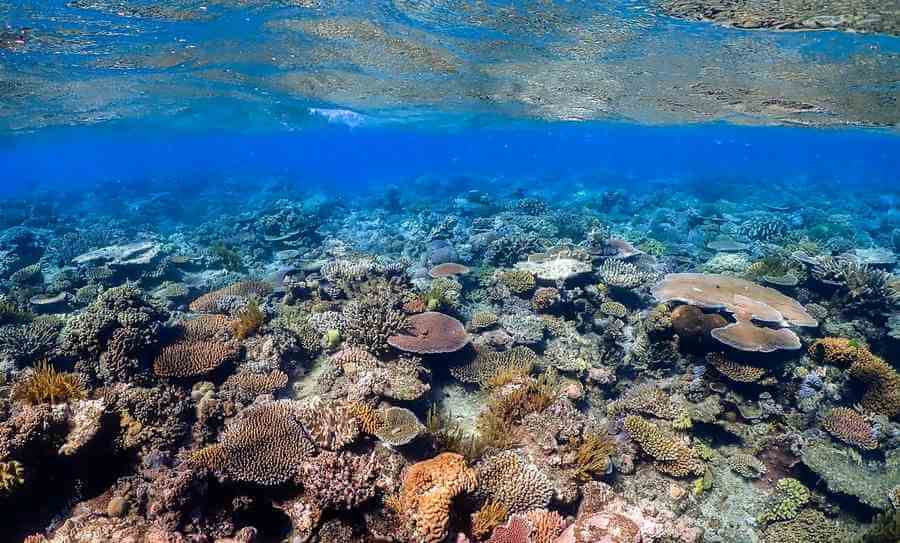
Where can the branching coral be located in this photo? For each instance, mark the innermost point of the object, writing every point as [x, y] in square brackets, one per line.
[544, 298]
[865, 287]
[882, 395]
[46, 385]
[31, 341]
[850, 427]
[646, 399]
[339, 480]
[370, 322]
[672, 456]
[740, 373]
[621, 274]
[517, 281]
[482, 320]
[508, 478]
[334, 426]
[789, 498]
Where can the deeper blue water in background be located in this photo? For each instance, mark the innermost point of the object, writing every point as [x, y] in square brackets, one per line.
[578, 155]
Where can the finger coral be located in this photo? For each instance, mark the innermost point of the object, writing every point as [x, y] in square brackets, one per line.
[428, 490]
[508, 478]
[43, 384]
[671, 455]
[266, 444]
[850, 427]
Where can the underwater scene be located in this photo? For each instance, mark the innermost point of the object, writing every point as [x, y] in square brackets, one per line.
[449, 271]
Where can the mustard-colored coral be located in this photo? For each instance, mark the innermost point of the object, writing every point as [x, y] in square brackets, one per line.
[428, 489]
[248, 290]
[790, 497]
[491, 515]
[672, 456]
[592, 458]
[12, 476]
[250, 320]
[517, 281]
[882, 395]
[46, 385]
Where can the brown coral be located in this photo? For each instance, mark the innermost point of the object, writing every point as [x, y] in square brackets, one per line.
[254, 383]
[193, 358]
[398, 427]
[544, 298]
[266, 444]
[491, 515]
[428, 490]
[430, 333]
[508, 478]
[672, 456]
[204, 327]
[331, 426]
[882, 395]
[734, 371]
[748, 302]
[209, 302]
[647, 399]
[547, 525]
[448, 269]
[46, 385]
[692, 324]
[850, 427]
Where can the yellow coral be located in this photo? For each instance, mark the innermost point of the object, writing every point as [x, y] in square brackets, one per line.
[593, 456]
[250, 320]
[882, 395]
[491, 515]
[12, 475]
[46, 385]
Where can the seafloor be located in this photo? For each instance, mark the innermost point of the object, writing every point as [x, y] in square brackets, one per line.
[448, 362]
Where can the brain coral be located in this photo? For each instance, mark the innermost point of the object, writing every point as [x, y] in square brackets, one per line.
[428, 490]
[209, 302]
[672, 456]
[193, 358]
[850, 427]
[747, 302]
[265, 444]
[508, 478]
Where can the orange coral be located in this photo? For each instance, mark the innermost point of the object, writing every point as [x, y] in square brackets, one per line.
[46, 385]
[547, 525]
[882, 395]
[428, 489]
[734, 371]
[209, 302]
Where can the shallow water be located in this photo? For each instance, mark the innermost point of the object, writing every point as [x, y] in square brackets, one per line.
[444, 271]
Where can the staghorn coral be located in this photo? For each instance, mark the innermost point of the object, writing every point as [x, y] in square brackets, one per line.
[850, 427]
[864, 287]
[671, 456]
[246, 290]
[740, 373]
[193, 358]
[508, 478]
[789, 498]
[488, 364]
[265, 444]
[398, 426]
[43, 384]
[428, 489]
[339, 480]
[491, 515]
